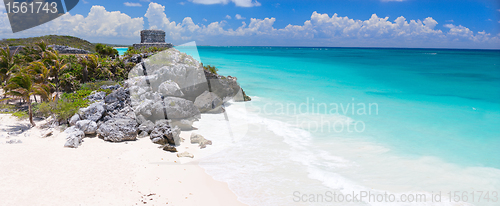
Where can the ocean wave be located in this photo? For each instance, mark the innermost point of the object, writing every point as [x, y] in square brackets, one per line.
[262, 170]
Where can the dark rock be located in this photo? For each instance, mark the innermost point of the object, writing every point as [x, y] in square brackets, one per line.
[112, 87]
[169, 148]
[68, 50]
[164, 134]
[119, 95]
[87, 126]
[98, 96]
[93, 112]
[147, 126]
[118, 130]
[143, 134]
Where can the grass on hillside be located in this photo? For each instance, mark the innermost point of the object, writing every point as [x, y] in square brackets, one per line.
[70, 41]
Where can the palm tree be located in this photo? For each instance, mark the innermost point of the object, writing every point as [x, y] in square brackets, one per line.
[42, 49]
[22, 86]
[40, 74]
[7, 62]
[92, 64]
[56, 65]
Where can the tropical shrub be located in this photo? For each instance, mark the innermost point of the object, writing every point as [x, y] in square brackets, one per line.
[106, 51]
[212, 69]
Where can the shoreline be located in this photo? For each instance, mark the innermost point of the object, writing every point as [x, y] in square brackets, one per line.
[99, 172]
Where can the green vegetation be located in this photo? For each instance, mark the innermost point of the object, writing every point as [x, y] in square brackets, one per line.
[22, 85]
[96, 86]
[65, 107]
[39, 71]
[51, 39]
[106, 51]
[131, 50]
[7, 106]
[20, 114]
[210, 68]
[70, 103]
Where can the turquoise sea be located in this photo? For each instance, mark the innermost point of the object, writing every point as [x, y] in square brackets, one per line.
[360, 119]
[121, 50]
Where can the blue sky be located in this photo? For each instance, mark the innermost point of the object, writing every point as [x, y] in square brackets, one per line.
[356, 23]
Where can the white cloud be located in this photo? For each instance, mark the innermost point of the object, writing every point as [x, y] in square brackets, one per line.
[239, 17]
[240, 3]
[318, 30]
[227, 17]
[116, 24]
[459, 30]
[132, 4]
[204, 19]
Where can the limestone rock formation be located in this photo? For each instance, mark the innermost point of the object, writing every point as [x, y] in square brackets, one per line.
[164, 134]
[75, 118]
[74, 137]
[93, 112]
[208, 101]
[87, 126]
[118, 130]
[170, 88]
[147, 126]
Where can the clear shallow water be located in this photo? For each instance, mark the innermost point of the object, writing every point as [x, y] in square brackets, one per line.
[435, 126]
[121, 51]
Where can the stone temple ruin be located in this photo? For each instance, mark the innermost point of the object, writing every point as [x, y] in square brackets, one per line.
[153, 38]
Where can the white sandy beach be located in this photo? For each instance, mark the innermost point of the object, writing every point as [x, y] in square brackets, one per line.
[40, 171]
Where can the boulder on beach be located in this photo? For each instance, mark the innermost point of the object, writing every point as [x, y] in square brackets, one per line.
[87, 126]
[164, 134]
[74, 137]
[75, 118]
[147, 126]
[118, 130]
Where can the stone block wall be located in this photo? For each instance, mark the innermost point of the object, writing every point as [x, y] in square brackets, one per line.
[157, 45]
[152, 36]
